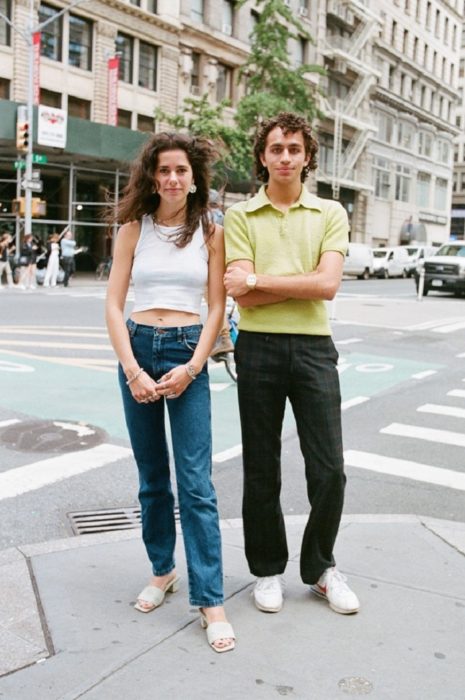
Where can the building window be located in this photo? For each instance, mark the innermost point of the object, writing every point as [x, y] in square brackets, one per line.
[50, 98]
[325, 154]
[125, 45]
[152, 6]
[443, 151]
[148, 60]
[195, 74]
[385, 127]
[300, 51]
[446, 31]
[402, 193]
[197, 10]
[124, 118]
[80, 43]
[405, 134]
[440, 193]
[5, 34]
[382, 178]
[415, 49]
[51, 35]
[423, 189]
[4, 89]
[223, 82]
[437, 24]
[78, 108]
[425, 144]
[228, 17]
[145, 123]
[135, 2]
[393, 33]
[405, 42]
[428, 15]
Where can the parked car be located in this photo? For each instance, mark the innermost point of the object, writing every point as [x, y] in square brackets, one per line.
[359, 261]
[445, 270]
[390, 262]
[416, 253]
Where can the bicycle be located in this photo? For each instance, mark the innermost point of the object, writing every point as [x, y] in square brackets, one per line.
[228, 357]
[103, 269]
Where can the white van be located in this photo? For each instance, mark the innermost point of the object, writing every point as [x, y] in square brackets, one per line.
[417, 253]
[359, 261]
[390, 262]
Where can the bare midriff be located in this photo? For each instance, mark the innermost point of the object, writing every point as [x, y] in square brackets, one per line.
[165, 317]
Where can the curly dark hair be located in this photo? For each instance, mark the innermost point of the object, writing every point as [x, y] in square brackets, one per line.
[289, 122]
[139, 197]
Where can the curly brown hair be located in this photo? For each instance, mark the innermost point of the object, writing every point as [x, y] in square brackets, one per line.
[139, 197]
[289, 122]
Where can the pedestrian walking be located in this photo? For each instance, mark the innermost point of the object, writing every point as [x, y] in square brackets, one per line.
[6, 241]
[68, 253]
[53, 262]
[285, 249]
[171, 249]
[29, 252]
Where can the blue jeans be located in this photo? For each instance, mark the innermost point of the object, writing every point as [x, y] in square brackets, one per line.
[158, 350]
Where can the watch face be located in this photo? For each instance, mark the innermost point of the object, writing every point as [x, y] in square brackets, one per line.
[251, 280]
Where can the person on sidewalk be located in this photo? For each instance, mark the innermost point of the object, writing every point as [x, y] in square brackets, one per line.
[53, 262]
[284, 252]
[68, 253]
[6, 241]
[172, 250]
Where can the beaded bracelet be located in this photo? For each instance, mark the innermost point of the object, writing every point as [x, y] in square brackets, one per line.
[136, 376]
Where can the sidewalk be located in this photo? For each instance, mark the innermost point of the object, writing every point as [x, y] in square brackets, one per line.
[68, 629]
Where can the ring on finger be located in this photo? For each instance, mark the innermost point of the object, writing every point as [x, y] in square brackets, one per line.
[171, 396]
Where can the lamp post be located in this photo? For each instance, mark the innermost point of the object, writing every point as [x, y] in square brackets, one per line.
[28, 37]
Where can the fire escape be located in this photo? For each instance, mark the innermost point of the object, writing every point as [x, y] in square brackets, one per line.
[347, 54]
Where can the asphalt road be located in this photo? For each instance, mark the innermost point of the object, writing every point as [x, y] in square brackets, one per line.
[402, 370]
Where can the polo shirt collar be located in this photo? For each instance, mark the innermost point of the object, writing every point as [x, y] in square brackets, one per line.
[306, 200]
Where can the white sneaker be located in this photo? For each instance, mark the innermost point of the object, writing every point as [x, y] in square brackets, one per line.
[268, 594]
[332, 586]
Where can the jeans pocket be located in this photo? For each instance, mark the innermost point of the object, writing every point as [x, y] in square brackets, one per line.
[190, 344]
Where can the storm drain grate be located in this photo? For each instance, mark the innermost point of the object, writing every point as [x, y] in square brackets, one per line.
[88, 522]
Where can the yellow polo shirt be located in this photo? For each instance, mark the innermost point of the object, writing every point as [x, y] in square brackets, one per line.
[290, 243]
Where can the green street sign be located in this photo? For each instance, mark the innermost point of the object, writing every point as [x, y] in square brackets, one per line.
[39, 158]
[20, 164]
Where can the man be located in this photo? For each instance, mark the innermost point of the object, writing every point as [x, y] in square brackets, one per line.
[284, 251]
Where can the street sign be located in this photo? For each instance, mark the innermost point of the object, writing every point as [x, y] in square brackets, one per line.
[34, 185]
[20, 164]
[39, 158]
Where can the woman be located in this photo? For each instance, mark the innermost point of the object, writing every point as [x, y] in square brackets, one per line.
[5, 248]
[172, 249]
[53, 262]
[30, 250]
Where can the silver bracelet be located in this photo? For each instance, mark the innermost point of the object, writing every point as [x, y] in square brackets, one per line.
[190, 369]
[136, 376]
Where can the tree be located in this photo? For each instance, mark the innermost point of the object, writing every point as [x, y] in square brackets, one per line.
[273, 83]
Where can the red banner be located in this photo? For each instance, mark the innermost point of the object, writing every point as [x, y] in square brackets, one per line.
[113, 73]
[36, 76]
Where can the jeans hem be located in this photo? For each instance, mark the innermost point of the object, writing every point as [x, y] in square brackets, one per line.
[164, 572]
[207, 604]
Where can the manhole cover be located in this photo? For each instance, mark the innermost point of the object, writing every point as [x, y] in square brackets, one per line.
[51, 436]
[87, 522]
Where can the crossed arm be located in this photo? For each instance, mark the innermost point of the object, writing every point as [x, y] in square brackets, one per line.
[321, 283]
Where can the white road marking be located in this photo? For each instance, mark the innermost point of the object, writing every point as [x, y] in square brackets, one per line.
[348, 341]
[442, 410]
[460, 393]
[432, 325]
[462, 354]
[54, 332]
[50, 471]
[446, 437]
[423, 375]
[450, 328]
[228, 454]
[405, 469]
[83, 362]
[219, 386]
[11, 421]
[353, 402]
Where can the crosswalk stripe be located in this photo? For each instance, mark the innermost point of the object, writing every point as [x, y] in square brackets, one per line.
[349, 341]
[446, 437]
[62, 345]
[353, 402]
[11, 421]
[227, 454]
[454, 411]
[450, 328]
[55, 333]
[460, 393]
[219, 386]
[423, 375]
[405, 469]
[31, 477]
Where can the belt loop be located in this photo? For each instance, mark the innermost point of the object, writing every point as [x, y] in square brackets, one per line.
[132, 327]
[180, 334]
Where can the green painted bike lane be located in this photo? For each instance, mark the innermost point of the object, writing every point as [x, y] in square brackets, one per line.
[43, 389]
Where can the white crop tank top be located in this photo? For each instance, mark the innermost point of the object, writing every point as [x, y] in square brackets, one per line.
[165, 276]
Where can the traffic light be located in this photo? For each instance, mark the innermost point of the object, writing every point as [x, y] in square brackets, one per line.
[22, 129]
[39, 207]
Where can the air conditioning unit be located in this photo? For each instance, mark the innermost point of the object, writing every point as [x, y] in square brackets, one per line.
[227, 29]
[195, 90]
[287, 2]
[303, 12]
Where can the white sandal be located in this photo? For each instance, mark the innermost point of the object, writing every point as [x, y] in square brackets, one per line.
[217, 631]
[155, 596]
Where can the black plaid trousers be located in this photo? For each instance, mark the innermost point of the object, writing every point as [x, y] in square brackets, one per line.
[272, 367]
